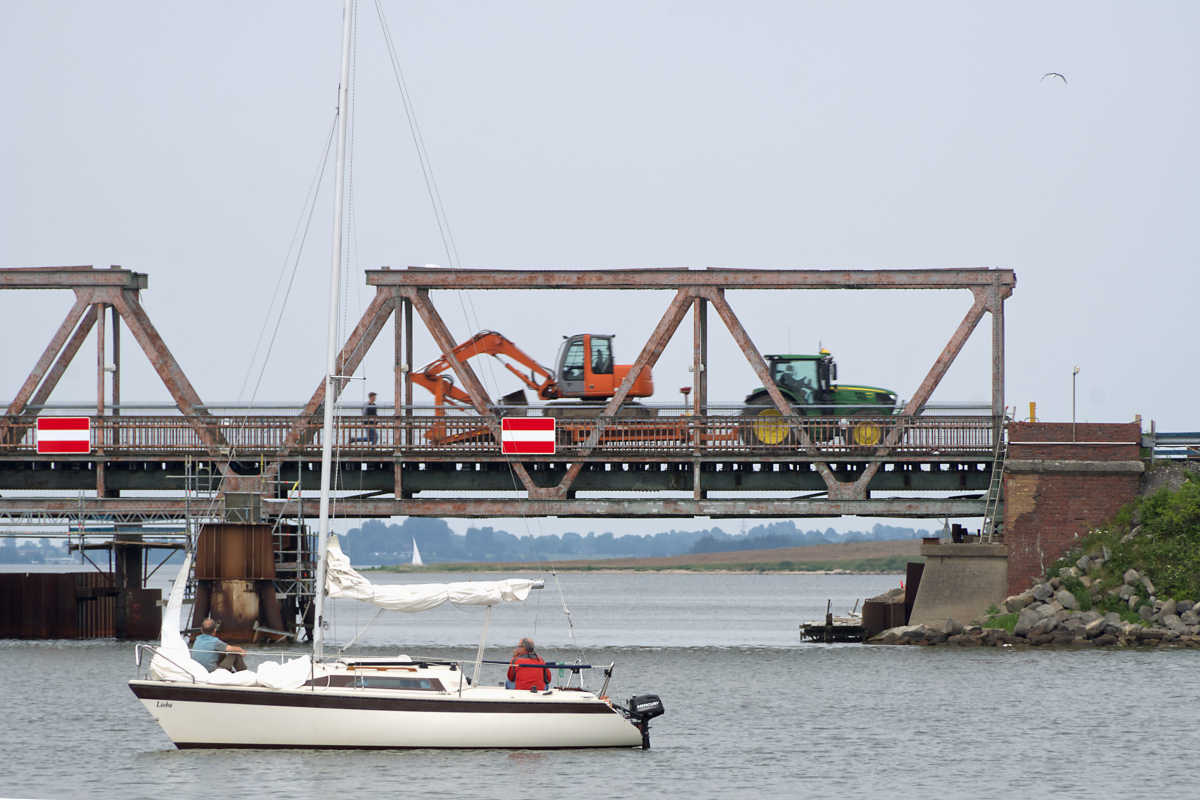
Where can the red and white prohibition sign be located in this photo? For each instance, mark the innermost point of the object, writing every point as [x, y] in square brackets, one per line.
[64, 435]
[522, 436]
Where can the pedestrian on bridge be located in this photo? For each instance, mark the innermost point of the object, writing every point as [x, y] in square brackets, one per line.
[371, 412]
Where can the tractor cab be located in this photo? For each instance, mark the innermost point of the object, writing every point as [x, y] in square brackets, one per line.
[805, 380]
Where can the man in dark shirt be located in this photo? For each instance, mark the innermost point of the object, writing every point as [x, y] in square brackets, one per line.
[527, 670]
[207, 650]
[370, 412]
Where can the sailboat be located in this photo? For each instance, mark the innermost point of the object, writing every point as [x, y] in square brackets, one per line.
[416, 562]
[398, 702]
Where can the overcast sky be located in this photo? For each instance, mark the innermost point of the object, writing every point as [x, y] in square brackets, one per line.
[180, 140]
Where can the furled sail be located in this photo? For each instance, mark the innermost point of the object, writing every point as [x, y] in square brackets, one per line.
[172, 659]
[343, 582]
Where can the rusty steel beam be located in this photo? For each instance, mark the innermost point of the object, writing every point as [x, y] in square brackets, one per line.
[100, 356]
[445, 342]
[818, 507]
[653, 348]
[373, 320]
[126, 303]
[996, 306]
[518, 507]
[419, 299]
[742, 338]
[60, 366]
[71, 278]
[83, 303]
[948, 354]
[423, 278]
[984, 299]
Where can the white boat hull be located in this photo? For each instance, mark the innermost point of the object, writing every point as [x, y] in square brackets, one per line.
[198, 715]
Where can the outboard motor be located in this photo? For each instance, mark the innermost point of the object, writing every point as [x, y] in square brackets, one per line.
[642, 709]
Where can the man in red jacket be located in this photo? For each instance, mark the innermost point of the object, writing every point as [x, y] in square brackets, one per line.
[524, 670]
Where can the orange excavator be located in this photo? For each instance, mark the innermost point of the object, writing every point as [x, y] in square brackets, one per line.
[585, 371]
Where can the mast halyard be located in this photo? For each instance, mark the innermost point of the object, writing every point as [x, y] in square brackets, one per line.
[335, 280]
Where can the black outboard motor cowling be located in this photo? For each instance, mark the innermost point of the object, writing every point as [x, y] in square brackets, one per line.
[642, 709]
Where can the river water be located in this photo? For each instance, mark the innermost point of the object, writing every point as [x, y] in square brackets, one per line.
[751, 712]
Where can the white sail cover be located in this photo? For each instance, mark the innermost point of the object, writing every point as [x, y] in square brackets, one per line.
[173, 661]
[342, 582]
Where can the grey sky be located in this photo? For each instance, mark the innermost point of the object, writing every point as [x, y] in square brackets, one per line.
[179, 140]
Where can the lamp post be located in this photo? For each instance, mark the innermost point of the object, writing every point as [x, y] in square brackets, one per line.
[1073, 376]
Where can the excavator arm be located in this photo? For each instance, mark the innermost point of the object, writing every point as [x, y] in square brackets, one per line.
[433, 376]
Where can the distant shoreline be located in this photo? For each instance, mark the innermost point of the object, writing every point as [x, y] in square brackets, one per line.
[851, 558]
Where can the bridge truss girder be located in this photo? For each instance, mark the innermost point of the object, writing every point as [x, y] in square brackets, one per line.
[549, 492]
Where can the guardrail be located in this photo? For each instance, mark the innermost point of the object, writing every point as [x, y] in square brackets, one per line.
[1173, 446]
[468, 436]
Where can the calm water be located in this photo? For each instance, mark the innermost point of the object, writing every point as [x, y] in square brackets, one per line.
[750, 711]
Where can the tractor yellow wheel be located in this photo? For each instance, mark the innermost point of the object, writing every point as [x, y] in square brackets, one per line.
[867, 431]
[769, 427]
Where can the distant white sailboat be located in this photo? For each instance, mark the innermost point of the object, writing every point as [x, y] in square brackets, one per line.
[417, 562]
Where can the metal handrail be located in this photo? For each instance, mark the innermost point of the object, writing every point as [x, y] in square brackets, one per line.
[717, 435]
[158, 652]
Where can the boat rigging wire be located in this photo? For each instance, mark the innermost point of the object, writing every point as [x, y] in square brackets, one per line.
[451, 250]
[305, 221]
[311, 202]
[363, 630]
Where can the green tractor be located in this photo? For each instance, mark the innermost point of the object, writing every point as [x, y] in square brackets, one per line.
[807, 382]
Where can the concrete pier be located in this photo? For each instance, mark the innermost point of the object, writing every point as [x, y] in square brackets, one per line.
[960, 581]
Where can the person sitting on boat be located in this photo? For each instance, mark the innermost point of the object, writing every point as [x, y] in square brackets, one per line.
[207, 650]
[524, 672]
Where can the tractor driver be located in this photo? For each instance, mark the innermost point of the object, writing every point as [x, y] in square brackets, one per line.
[802, 387]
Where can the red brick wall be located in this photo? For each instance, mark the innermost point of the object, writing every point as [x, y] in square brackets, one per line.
[1046, 513]
[1121, 441]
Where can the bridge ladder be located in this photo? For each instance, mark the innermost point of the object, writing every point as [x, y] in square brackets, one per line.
[995, 486]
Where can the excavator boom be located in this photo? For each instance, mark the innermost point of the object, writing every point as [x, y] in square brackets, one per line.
[485, 343]
[586, 370]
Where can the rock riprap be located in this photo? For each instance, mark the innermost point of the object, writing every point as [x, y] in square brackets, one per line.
[1049, 614]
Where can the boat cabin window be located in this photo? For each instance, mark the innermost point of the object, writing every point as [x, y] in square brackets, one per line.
[602, 362]
[377, 682]
[798, 377]
[572, 368]
[382, 682]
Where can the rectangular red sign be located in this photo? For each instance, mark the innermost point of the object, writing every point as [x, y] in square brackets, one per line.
[522, 436]
[64, 435]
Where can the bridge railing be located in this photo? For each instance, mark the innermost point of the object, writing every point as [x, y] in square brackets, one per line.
[466, 436]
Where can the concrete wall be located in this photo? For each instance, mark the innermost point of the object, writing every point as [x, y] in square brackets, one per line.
[960, 581]
[1056, 490]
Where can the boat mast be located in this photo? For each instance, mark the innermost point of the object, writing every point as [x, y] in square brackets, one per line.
[335, 282]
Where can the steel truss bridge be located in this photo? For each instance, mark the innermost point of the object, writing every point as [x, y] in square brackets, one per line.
[687, 461]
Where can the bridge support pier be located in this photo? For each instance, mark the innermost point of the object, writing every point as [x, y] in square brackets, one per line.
[1061, 483]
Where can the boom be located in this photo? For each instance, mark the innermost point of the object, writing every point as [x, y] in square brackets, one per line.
[485, 343]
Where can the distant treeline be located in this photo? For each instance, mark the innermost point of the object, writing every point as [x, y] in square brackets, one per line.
[377, 542]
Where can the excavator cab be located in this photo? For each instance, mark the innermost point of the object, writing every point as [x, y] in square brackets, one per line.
[586, 369]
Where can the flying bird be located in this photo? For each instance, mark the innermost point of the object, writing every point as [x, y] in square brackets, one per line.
[1054, 75]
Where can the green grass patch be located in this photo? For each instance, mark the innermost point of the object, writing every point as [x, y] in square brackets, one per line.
[1007, 622]
[1082, 594]
[1167, 546]
[1112, 602]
